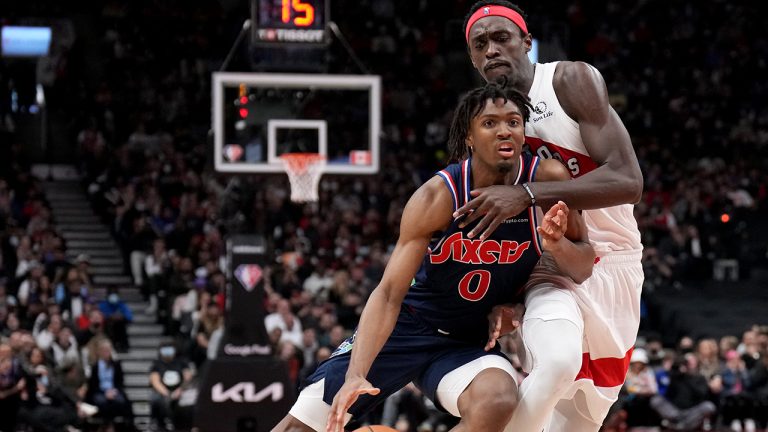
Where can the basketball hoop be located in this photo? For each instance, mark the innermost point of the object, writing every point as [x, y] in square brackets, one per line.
[304, 171]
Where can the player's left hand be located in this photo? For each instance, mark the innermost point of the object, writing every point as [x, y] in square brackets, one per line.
[352, 389]
[553, 226]
[494, 204]
[502, 320]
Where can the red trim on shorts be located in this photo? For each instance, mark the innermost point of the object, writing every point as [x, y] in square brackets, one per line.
[605, 372]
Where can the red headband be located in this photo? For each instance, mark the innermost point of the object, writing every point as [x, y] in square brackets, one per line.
[494, 10]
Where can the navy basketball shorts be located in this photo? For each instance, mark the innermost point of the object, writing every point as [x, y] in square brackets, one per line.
[414, 352]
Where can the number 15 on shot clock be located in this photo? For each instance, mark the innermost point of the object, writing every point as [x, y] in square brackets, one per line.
[290, 21]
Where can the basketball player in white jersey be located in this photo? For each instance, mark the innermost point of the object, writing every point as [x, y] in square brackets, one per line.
[578, 339]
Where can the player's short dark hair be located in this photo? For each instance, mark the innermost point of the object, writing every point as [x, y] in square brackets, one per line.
[472, 104]
[483, 3]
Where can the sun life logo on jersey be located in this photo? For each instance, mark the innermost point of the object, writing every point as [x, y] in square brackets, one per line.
[541, 110]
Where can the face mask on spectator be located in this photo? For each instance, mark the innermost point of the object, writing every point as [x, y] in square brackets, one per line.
[167, 351]
[113, 298]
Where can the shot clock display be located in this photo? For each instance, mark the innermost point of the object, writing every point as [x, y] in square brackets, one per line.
[290, 21]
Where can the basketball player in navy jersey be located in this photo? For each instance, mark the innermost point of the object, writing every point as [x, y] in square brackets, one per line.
[594, 324]
[426, 320]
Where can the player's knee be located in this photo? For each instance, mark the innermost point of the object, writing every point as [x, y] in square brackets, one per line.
[562, 366]
[496, 396]
[565, 368]
[502, 402]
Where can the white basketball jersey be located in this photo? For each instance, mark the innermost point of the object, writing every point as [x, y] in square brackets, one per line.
[551, 133]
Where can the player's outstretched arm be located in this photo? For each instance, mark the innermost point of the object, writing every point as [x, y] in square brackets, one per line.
[616, 180]
[428, 210]
[563, 232]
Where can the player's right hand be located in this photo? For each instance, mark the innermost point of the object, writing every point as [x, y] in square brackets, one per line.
[348, 393]
[553, 226]
[502, 320]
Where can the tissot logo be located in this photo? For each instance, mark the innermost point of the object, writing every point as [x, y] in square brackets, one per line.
[246, 392]
[540, 108]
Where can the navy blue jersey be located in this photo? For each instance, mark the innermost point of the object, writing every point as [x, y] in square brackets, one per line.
[462, 279]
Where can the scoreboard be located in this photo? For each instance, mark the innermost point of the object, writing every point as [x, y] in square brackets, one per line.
[290, 21]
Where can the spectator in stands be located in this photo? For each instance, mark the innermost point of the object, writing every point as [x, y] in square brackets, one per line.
[57, 266]
[320, 355]
[664, 370]
[209, 321]
[10, 324]
[7, 301]
[319, 281]
[709, 358]
[156, 267]
[728, 343]
[106, 388]
[759, 389]
[166, 378]
[641, 381]
[65, 357]
[83, 265]
[89, 339]
[50, 333]
[685, 406]
[117, 316]
[12, 384]
[293, 358]
[139, 245]
[285, 320]
[47, 407]
[35, 286]
[737, 405]
[25, 256]
[72, 294]
[750, 347]
[309, 344]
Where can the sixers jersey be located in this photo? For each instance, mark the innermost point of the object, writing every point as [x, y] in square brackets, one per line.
[462, 279]
[551, 133]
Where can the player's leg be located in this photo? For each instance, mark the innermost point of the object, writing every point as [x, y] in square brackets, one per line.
[610, 304]
[309, 413]
[487, 404]
[552, 342]
[571, 415]
[291, 424]
[474, 385]
[402, 358]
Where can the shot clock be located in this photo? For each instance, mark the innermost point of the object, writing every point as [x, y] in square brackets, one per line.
[290, 21]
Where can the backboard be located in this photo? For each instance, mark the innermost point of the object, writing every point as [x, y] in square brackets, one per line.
[258, 116]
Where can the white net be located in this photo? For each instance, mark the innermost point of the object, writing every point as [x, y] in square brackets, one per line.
[304, 172]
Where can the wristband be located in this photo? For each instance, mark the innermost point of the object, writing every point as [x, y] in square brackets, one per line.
[530, 193]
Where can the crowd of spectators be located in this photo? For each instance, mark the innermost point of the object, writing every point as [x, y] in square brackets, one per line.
[699, 384]
[141, 98]
[58, 368]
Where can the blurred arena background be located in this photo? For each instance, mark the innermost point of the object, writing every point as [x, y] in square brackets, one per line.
[115, 222]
